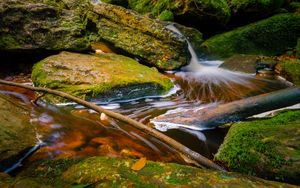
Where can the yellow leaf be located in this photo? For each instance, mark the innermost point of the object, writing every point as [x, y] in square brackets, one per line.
[139, 164]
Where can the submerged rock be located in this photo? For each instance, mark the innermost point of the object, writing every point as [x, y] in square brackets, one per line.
[213, 12]
[27, 26]
[104, 77]
[17, 134]
[249, 63]
[113, 172]
[272, 36]
[289, 69]
[268, 148]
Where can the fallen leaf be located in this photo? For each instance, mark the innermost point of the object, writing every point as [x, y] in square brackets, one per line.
[139, 164]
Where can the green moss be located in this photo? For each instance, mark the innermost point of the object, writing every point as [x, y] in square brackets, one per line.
[255, 6]
[272, 36]
[114, 172]
[298, 49]
[105, 77]
[267, 148]
[290, 69]
[166, 15]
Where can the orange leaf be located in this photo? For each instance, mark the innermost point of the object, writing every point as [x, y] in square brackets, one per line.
[139, 164]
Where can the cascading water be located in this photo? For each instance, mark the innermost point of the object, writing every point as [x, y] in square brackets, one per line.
[214, 84]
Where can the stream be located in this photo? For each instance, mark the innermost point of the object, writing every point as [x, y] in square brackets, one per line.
[77, 132]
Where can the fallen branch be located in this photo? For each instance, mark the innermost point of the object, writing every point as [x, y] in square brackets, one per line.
[234, 111]
[176, 145]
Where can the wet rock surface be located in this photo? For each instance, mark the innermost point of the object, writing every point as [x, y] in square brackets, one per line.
[104, 77]
[17, 134]
[110, 172]
[268, 148]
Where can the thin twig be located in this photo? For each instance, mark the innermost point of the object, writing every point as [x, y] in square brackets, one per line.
[176, 145]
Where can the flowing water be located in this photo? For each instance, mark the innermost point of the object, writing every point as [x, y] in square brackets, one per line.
[76, 131]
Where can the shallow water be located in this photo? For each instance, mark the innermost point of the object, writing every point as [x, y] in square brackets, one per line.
[76, 131]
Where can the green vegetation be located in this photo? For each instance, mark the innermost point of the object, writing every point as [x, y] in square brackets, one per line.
[112, 172]
[268, 148]
[104, 76]
[272, 36]
[290, 69]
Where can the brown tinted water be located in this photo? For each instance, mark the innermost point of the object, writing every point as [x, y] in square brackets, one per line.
[78, 132]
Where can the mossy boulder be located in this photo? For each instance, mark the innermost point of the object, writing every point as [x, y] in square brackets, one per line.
[272, 36]
[27, 26]
[268, 148]
[289, 68]
[114, 172]
[254, 9]
[200, 11]
[139, 36]
[17, 134]
[104, 77]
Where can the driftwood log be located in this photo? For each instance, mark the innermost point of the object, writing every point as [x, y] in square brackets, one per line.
[212, 117]
[194, 156]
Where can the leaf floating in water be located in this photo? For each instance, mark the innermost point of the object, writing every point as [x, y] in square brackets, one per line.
[139, 164]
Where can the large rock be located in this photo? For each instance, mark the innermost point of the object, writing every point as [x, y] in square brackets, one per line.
[17, 134]
[105, 77]
[113, 172]
[141, 37]
[215, 12]
[253, 9]
[272, 36]
[268, 148]
[27, 25]
[56, 25]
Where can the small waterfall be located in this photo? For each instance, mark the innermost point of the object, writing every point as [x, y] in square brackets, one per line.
[209, 83]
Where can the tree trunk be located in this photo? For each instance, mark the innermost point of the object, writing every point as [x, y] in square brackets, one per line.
[234, 111]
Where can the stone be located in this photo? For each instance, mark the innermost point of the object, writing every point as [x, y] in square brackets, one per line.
[267, 148]
[17, 134]
[103, 77]
[215, 12]
[270, 37]
[116, 172]
[28, 26]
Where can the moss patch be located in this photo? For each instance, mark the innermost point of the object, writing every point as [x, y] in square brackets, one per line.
[112, 172]
[268, 148]
[104, 77]
[289, 69]
[272, 36]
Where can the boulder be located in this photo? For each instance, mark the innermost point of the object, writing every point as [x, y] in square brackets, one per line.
[27, 26]
[57, 25]
[215, 12]
[104, 77]
[253, 9]
[17, 134]
[272, 36]
[114, 172]
[249, 63]
[139, 36]
[268, 148]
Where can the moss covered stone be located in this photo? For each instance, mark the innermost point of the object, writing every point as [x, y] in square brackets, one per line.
[113, 172]
[289, 69]
[30, 25]
[17, 134]
[104, 77]
[254, 9]
[141, 37]
[268, 148]
[213, 11]
[272, 36]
